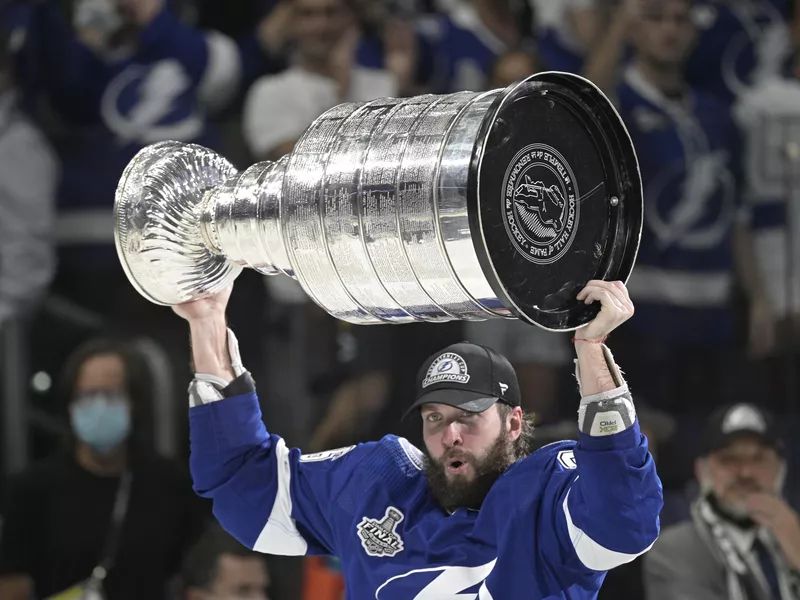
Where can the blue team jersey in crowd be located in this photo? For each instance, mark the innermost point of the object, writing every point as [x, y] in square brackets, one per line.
[689, 157]
[740, 41]
[550, 527]
[110, 105]
[457, 52]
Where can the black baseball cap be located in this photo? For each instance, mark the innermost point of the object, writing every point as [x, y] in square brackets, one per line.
[467, 376]
[740, 420]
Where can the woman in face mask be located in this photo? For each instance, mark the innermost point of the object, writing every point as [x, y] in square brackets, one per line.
[108, 519]
[100, 406]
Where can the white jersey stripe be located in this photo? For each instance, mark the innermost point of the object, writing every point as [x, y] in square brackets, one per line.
[590, 553]
[280, 535]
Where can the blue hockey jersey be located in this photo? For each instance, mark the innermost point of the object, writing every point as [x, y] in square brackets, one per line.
[740, 42]
[457, 52]
[551, 527]
[112, 105]
[689, 157]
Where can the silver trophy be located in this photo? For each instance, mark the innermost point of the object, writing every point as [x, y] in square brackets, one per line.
[469, 206]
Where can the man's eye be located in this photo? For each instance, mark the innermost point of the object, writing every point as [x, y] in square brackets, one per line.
[432, 418]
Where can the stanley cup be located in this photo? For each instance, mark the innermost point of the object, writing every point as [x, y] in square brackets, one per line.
[469, 206]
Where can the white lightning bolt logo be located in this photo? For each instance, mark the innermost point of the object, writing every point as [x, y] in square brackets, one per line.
[450, 584]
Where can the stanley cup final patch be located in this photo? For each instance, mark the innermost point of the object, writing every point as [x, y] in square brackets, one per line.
[380, 538]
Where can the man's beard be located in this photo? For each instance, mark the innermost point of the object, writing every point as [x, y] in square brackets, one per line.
[733, 510]
[460, 492]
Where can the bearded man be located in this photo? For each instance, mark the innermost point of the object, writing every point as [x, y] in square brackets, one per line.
[477, 515]
[743, 542]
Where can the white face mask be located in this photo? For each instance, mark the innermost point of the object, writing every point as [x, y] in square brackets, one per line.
[102, 420]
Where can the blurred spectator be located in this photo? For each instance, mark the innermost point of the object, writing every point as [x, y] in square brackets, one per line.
[769, 115]
[566, 30]
[743, 541]
[513, 66]
[680, 345]
[739, 44]
[27, 199]
[219, 568]
[537, 356]
[105, 506]
[458, 50]
[381, 375]
[120, 76]
[324, 73]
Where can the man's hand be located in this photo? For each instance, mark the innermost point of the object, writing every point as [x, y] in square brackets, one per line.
[772, 512]
[615, 308]
[206, 308]
[209, 333]
[276, 29]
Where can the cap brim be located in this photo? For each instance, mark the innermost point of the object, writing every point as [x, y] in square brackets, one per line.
[726, 440]
[469, 401]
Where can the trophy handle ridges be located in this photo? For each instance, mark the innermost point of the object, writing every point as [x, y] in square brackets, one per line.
[158, 236]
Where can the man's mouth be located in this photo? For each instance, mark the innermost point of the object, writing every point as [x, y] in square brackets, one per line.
[456, 466]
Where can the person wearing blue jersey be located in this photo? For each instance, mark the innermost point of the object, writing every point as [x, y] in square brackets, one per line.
[477, 514]
[696, 246]
[739, 44]
[457, 50]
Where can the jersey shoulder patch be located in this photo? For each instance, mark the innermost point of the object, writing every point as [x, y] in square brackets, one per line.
[558, 456]
[566, 458]
[413, 454]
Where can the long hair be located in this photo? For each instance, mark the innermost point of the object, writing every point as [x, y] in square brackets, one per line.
[525, 443]
[137, 379]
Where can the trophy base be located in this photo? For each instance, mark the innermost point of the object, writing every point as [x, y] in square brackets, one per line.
[554, 214]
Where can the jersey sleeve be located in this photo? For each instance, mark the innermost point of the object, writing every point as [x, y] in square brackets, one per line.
[607, 515]
[603, 495]
[271, 498]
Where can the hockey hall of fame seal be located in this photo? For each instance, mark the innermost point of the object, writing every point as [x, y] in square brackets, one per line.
[540, 202]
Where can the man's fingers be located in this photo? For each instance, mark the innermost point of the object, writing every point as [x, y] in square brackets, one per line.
[615, 290]
[605, 297]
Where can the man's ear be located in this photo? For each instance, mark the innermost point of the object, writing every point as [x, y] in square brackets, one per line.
[700, 467]
[514, 423]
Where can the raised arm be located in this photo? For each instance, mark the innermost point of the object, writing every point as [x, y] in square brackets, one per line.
[270, 497]
[607, 511]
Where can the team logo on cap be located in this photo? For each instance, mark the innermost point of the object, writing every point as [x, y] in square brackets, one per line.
[448, 367]
[540, 204]
[743, 417]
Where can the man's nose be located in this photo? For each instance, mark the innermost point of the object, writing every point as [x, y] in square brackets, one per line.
[452, 435]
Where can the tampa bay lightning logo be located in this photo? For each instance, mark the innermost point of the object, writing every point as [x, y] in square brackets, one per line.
[447, 367]
[756, 42]
[151, 103]
[439, 583]
[540, 204]
[691, 205]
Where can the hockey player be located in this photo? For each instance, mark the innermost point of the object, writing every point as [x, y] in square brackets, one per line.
[474, 516]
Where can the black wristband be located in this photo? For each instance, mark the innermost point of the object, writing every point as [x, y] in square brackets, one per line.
[243, 384]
